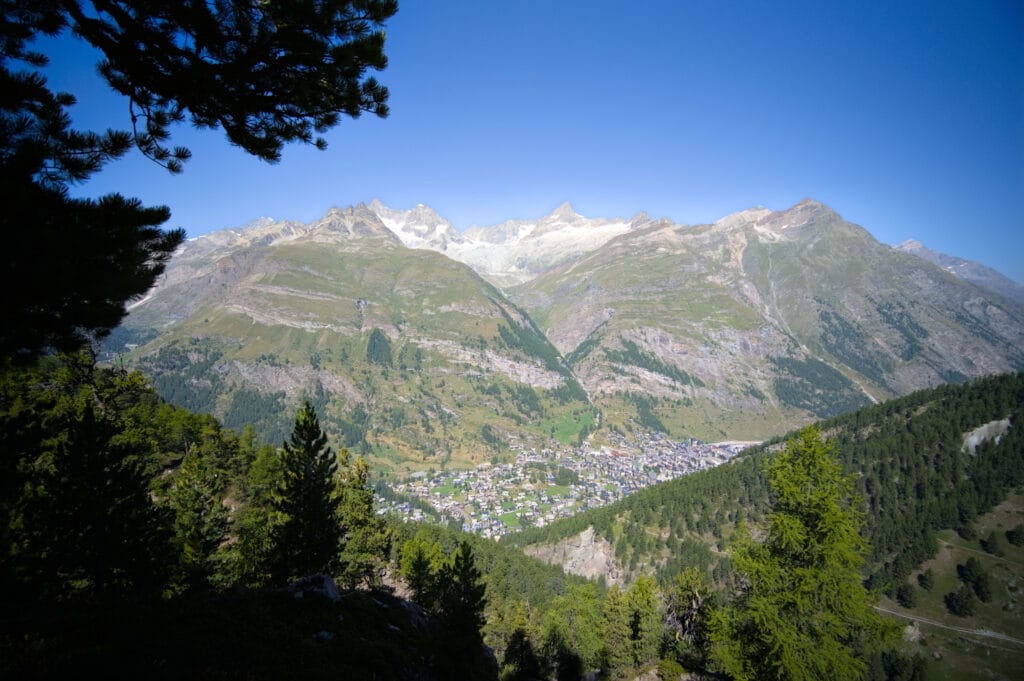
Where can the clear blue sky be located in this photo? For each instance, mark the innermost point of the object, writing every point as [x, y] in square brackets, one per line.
[905, 117]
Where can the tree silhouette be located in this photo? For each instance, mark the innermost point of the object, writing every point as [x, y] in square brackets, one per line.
[308, 539]
[81, 521]
[267, 73]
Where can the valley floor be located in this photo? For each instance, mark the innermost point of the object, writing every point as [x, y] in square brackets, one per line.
[542, 486]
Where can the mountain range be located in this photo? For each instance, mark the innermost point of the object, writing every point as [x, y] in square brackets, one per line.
[426, 347]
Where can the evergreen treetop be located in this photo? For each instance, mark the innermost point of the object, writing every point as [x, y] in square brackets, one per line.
[308, 539]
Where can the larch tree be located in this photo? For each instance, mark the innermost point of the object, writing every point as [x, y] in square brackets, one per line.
[804, 613]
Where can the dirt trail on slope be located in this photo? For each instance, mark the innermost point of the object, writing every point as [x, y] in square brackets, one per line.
[962, 630]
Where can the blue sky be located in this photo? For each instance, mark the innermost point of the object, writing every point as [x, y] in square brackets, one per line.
[905, 117]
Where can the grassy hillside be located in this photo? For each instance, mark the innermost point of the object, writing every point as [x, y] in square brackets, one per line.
[989, 643]
[413, 360]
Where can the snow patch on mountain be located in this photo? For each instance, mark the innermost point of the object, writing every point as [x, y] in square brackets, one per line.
[514, 251]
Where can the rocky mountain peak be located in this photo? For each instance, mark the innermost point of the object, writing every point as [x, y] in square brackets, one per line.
[744, 217]
[968, 270]
[354, 221]
[911, 246]
[564, 211]
[420, 227]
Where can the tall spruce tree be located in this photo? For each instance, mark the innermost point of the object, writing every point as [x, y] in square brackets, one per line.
[573, 621]
[462, 604]
[267, 73]
[617, 651]
[308, 537]
[463, 599]
[645, 619]
[804, 613]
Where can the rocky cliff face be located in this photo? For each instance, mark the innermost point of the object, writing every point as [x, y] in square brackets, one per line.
[581, 555]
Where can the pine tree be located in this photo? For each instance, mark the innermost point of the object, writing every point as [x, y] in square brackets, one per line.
[365, 544]
[520, 662]
[256, 522]
[574, 622]
[463, 598]
[378, 349]
[268, 73]
[201, 521]
[462, 602]
[420, 578]
[804, 614]
[82, 520]
[617, 654]
[309, 535]
[645, 619]
[421, 564]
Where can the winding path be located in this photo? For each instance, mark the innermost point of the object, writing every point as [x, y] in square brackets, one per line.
[962, 630]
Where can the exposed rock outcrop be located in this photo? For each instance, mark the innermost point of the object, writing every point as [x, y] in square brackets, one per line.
[582, 555]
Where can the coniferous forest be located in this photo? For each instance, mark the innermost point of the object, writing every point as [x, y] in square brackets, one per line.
[140, 531]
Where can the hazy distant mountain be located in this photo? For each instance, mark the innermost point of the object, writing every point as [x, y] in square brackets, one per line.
[968, 270]
[738, 329]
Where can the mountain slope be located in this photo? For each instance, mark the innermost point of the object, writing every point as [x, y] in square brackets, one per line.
[739, 329]
[408, 353]
[763, 318]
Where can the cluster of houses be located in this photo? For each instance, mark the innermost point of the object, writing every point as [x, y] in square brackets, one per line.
[541, 486]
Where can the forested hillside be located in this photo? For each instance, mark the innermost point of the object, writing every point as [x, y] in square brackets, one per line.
[910, 465]
[162, 540]
[124, 516]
